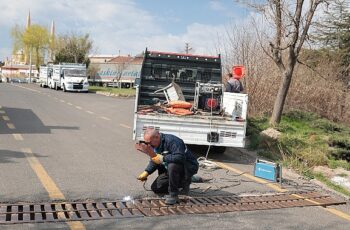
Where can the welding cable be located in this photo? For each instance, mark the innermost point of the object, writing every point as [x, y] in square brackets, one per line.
[210, 124]
[207, 164]
[144, 187]
[305, 186]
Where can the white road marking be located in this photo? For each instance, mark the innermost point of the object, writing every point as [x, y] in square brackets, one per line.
[125, 126]
[105, 118]
[78, 107]
[89, 112]
[6, 118]
[17, 136]
[10, 126]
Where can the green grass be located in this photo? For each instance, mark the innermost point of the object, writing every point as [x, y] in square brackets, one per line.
[306, 141]
[333, 164]
[330, 184]
[123, 92]
[342, 175]
[304, 136]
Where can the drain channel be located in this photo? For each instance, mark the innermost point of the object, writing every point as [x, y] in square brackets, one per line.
[80, 211]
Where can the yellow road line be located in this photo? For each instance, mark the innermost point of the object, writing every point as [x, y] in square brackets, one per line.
[17, 136]
[261, 181]
[10, 126]
[6, 118]
[49, 184]
[125, 126]
[338, 213]
[105, 118]
[277, 188]
[78, 107]
[331, 210]
[89, 112]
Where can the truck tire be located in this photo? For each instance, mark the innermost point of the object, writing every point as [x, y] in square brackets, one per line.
[56, 87]
[64, 88]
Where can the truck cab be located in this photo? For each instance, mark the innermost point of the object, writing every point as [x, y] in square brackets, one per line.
[69, 77]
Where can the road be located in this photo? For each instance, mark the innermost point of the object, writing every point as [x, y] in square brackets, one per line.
[77, 146]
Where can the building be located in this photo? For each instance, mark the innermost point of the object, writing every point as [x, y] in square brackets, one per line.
[119, 70]
[101, 58]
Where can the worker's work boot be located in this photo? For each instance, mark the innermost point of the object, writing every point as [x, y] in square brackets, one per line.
[185, 190]
[171, 199]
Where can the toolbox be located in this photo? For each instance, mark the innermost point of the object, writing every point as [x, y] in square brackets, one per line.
[268, 170]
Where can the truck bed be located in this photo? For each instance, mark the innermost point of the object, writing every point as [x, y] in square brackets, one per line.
[193, 129]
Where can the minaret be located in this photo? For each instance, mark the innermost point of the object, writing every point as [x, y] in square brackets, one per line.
[26, 51]
[28, 20]
[52, 42]
[52, 31]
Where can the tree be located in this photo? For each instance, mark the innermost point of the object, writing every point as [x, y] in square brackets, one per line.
[333, 32]
[290, 22]
[17, 36]
[73, 49]
[36, 38]
[92, 71]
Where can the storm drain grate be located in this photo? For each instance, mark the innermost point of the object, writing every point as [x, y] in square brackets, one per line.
[88, 210]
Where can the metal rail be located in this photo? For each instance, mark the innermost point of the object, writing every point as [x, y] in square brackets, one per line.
[89, 210]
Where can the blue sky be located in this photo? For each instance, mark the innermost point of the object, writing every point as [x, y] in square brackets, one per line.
[127, 25]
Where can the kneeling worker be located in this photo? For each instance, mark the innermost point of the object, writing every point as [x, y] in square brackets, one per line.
[175, 164]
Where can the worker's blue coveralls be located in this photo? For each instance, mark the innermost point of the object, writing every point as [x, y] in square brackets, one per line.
[179, 165]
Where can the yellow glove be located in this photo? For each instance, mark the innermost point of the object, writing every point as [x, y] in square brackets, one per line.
[158, 159]
[143, 176]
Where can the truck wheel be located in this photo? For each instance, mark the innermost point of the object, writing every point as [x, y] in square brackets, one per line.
[56, 87]
[64, 88]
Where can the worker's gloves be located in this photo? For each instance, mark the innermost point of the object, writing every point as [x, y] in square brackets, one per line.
[143, 176]
[158, 159]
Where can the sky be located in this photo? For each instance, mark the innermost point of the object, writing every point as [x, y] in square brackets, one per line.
[127, 26]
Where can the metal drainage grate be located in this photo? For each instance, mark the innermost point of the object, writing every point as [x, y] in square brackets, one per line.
[79, 211]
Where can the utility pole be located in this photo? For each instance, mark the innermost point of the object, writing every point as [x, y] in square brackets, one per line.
[187, 47]
[30, 65]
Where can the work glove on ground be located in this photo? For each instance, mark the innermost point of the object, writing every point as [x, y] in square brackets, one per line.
[143, 176]
[158, 159]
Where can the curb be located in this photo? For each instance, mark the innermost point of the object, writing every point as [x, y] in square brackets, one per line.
[109, 94]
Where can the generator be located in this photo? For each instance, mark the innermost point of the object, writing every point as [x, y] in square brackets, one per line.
[208, 97]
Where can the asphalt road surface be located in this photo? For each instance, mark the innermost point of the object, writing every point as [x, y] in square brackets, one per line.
[78, 146]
